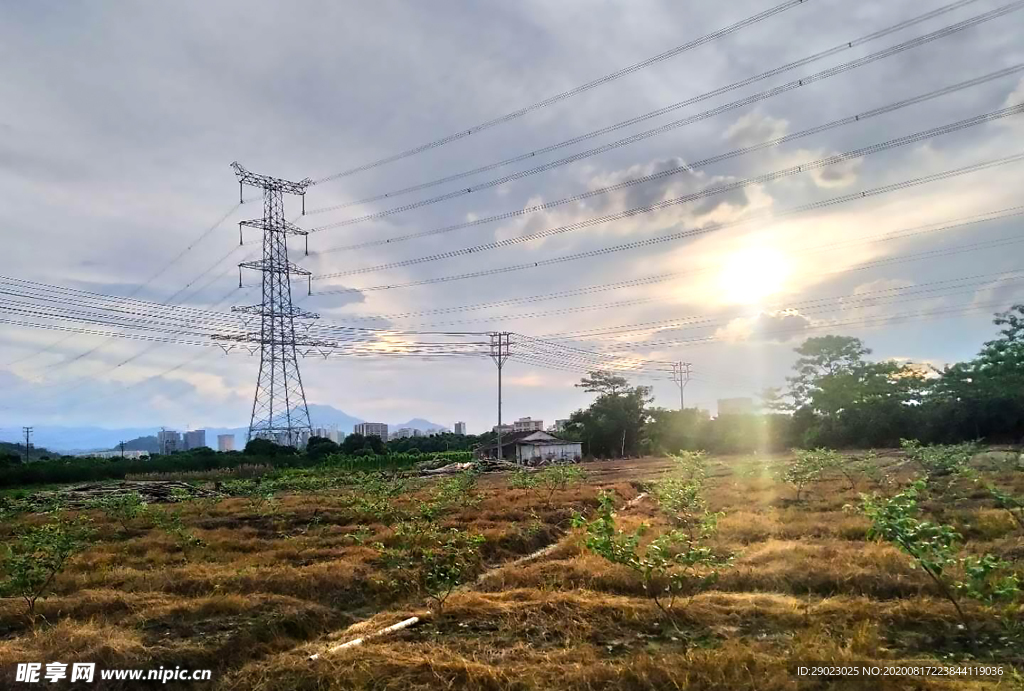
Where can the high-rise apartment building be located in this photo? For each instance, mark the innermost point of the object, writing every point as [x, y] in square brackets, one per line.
[168, 441]
[525, 424]
[225, 442]
[372, 429]
[194, 439]
[460, 428]
[328, 432]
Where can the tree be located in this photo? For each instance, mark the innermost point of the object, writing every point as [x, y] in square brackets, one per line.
[319, 448]
[264, 447]
[821, 357]
[614, 424]
[604, 383]
[37, 554]
[771, 400]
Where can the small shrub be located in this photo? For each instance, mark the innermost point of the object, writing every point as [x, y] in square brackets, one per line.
[808, 467]
[432, 560]
[1013, 505]
[522, 479]
[692, 465]
[457, 490]
[259, 493]
[37, 555]
[122, 508]
[170, 522]
[935, 549]
[668, 564]
[375, 492]
[559, 477]
[939, 460]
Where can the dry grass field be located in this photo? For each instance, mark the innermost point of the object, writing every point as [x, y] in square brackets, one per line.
[274, 581]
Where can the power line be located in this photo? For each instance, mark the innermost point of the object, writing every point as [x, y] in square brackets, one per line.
[795, 84]
[968, 309]
[926, 290]
[694, 232]
[695, 196]
[888, 261]
[142, 285]
[902, 234]
[551, 100]
[686, 167]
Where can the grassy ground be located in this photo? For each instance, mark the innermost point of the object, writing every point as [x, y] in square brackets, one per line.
[277, 581]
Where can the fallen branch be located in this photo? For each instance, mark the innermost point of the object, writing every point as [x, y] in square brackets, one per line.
[404, 624]
[635, 500]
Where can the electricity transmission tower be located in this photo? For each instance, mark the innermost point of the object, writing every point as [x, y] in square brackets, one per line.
[499, 353]
[681, 372]
[28, 441]
[279, 410]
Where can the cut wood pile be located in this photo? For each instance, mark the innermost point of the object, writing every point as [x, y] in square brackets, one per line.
[152, 492]
[485, 465]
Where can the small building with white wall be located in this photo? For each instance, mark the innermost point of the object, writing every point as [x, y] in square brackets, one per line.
[531, 447]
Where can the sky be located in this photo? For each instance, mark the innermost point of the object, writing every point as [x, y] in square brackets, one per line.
[119, 121]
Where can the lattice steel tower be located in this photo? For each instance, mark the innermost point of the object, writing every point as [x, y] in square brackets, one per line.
[279, 410]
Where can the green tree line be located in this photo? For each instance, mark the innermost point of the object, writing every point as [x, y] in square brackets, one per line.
[836, 397]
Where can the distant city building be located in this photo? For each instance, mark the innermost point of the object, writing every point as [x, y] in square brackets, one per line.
[115, 454]
[194, 439]
[525, 424]
[225, 442]
[735, 406]
[560, 425]
[372, 429]
[168, 441]
[460, 428]
[405, 433]
[329, 432]
[505, 429]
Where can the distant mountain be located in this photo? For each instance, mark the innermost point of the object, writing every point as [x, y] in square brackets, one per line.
[76, 439]
[327, 416]
[420, 424]
[35, 453]
[81, 439]
[148, 444]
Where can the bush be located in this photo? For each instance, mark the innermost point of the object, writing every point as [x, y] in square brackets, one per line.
[38, 554]
[808, 467]
[432, 560]
[936, 550]
[940, 459]
[559, 477]
[122, 508]
[522, 479]
[670, 563]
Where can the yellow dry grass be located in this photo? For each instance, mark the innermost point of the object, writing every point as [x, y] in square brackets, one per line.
[271, 588]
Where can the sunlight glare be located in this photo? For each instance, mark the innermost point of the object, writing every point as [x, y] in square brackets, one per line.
[752, 274]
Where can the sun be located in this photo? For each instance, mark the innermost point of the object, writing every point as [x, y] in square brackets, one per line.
[752, 274]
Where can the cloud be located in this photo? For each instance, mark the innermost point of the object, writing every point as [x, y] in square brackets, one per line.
[754, 128]
[882, 284]
[716, 207]
[1016, 96]
[778, 327]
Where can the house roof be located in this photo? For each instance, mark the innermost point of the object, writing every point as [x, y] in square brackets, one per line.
[524, 437]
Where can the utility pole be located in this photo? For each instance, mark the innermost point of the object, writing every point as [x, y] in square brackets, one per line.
[279, 410]
[122, 448]
[28, 441]
[499, 353]
[681, 372]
